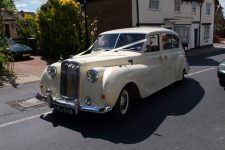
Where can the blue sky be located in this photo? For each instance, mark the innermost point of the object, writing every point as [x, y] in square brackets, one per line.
[29, 5]
[33, 5]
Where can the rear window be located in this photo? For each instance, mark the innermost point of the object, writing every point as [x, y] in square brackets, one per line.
[170, 41]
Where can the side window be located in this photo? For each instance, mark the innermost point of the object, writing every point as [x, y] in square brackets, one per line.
[175, 41]
[153, 44]
[170, 41]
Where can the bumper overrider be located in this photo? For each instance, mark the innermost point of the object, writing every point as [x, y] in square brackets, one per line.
[72, 105]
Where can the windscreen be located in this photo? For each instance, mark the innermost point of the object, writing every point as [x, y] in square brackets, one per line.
[127, 41]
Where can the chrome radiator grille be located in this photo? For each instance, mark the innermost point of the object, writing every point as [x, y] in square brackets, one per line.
[69, 82]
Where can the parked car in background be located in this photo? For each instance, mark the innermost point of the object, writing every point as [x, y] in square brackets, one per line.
[121, 66]
[18, 50]
[221, 73]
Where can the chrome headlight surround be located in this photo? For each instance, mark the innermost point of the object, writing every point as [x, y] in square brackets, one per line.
[52, 71]
[92, 75]
[222, 67]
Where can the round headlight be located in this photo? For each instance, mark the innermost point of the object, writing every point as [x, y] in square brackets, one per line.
[92, 75]
[51, 71]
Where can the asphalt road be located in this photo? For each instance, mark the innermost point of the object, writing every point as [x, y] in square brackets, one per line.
[187, 116]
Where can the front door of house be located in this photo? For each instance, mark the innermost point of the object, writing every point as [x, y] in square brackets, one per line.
[7, 32]
[196, 38]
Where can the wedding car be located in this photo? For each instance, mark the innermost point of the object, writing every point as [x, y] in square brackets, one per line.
[121, 66]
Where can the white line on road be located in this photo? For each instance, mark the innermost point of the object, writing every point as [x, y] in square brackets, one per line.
[22, 120]
[200, 71]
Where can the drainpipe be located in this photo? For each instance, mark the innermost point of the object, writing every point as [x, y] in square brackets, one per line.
[137, 4]
[200, 25]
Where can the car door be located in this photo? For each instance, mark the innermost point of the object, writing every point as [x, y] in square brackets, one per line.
[170, 51]
[153, 76]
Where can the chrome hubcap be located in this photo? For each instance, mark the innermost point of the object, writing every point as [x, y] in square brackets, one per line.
[124, 102]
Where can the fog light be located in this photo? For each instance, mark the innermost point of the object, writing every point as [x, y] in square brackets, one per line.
[87, 100]
[49, 91]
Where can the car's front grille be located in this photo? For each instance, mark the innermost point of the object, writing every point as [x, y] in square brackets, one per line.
[69, 83]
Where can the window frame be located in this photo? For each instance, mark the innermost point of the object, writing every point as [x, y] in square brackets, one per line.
[194, 7]
[206, 35]
[177, 4]
[208, 9]
[154, 8]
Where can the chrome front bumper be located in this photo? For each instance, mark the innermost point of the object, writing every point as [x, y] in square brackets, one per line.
[72, 104]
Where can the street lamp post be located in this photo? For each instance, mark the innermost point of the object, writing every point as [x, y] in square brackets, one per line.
[83, 6]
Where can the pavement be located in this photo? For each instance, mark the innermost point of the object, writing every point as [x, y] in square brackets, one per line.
[27, 71]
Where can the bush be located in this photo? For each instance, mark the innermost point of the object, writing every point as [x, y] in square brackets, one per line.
[216, 39]
[4, 53]
[61, 28]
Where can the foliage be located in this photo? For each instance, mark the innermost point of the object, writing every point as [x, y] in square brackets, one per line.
[61, 28]
[7, 5]
[27, 27]
[219, 22]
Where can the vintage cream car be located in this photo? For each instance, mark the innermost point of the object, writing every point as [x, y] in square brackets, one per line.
[121, 66]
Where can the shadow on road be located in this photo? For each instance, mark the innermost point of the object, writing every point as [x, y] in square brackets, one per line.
[144, 119]
[23, 59]
[205, 60]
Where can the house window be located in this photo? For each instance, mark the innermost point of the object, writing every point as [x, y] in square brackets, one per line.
[194, 5]
[183, 31]
[208, 9]
[177, 5]
[206, 32]
[154, 4]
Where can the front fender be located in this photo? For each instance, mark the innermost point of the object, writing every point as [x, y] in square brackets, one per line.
[116, 78]
[48, 82]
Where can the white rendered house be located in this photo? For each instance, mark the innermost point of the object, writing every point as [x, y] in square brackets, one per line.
[192, 19]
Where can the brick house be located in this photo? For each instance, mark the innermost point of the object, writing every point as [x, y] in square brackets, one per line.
[111, 14]
[9, 22]
[192, 19]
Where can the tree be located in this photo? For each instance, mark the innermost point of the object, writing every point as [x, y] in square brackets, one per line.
[61, 28]
[5, 5]
[26, 28]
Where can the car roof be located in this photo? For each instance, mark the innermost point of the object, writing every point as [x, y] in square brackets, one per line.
[144, 30]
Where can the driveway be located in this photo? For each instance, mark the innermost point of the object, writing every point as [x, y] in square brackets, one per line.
[29, 70]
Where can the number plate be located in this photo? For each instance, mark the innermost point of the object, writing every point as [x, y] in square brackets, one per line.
[64, 110]
[25, 55]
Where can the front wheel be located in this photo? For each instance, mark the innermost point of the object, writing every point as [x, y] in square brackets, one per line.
[122, 105]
